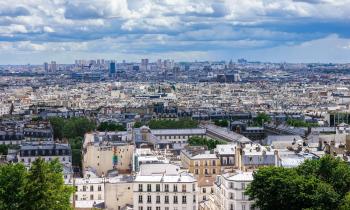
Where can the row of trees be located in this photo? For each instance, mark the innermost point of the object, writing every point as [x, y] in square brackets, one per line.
[209, 143]
[74, 130]
[107, 126]
[173, 124]
[261, 118]
[72, 127]
[221, 123]
[316, 184]
[39, 188]
[300, 123]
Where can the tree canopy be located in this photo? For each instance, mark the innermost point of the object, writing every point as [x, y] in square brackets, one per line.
[107, 126]
[261, 118]
[199, 141]
[300, 123]
[221, 123]
[39, 188]
[315, 184]
[72, 127]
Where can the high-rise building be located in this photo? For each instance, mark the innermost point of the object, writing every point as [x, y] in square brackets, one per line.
[53, 66]
[46, 67]
[144, 63]
[112, 67]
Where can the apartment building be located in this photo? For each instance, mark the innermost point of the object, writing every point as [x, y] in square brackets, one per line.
[200, 163]
[89, 192]
[104, 155]
[164, 187]
[229, 192]
[30, 151]
[118, 192]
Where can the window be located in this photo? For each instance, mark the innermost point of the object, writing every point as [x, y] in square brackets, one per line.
[91, 188]
[175, 199]
[91, 197]
[231, 196]
[196, 171]
[149, 188]
[243, 196]
[214, 162]
[157, 208]
[157, 187]
[193, 187]
[196, 163]
[166, 199]
[149, 208]
[140, 188]
[149, 199]
[158, 199]
[184, 188]
[84, 188]
[166, 208]
[175, 188]
[231, 207]
[99, 188]
[184, 199]
[206, 171]
[214, 171]
[242, 185]
[99, 197]
[243, 206]
[194, 198]
[231, 185]
[204, 190]
[140, 198]
[140, 207]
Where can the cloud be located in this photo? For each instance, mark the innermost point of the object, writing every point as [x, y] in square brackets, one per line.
[14, 11]
[168, 26]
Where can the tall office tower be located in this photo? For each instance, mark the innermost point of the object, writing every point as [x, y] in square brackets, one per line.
[144, 63]
[53, 66]
[46, 67]
[159, 63]
[112, 68]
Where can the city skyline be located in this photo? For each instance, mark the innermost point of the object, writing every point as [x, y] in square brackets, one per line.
[268, 31]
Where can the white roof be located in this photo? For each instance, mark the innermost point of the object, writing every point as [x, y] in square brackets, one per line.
[205, 156]
[192, 131]
[170, 179]
[242, 177]
[226, 149]
[158, 169]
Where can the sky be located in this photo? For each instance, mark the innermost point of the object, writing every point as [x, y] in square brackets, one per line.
[35, 31]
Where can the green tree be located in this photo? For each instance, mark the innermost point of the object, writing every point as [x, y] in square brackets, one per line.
[77, 126]
[40, 188]
[107, 126]
[300, 123]
[261, 118]
[173, 124]
[221, 123]
[76, 145]
[137, 124]
[12, 180]
[3, 149]
[345, 205]
[57, 125]
[315, 184]
[45, 188]
[209, 143]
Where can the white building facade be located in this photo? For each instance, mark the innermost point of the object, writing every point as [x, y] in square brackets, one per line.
[163, 187]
